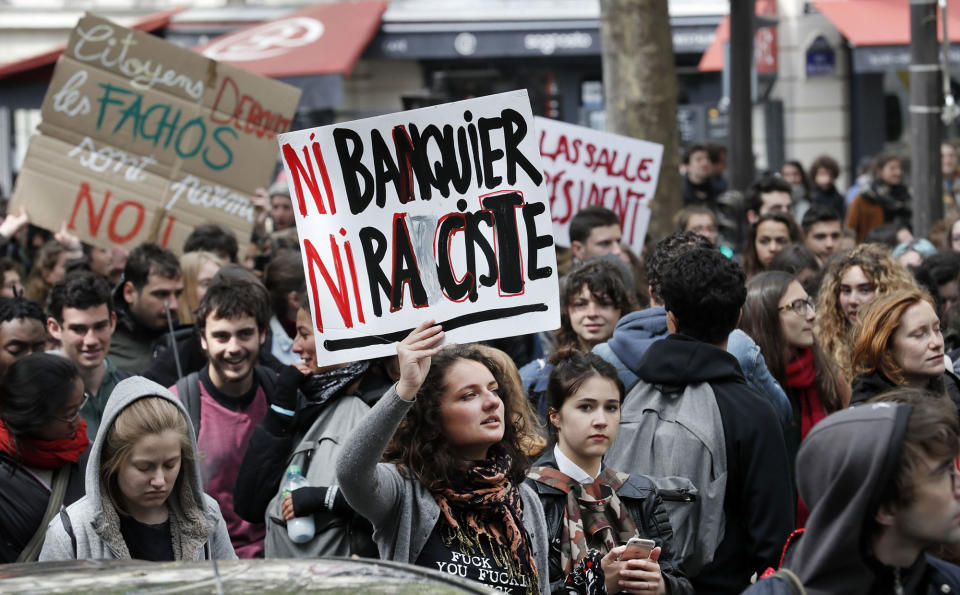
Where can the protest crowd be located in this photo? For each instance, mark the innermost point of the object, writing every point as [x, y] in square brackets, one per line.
[765, 400]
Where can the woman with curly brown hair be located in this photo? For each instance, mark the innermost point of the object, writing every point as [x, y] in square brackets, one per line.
[593, 299]
[898, 343]
[851, 281]
[450, 495]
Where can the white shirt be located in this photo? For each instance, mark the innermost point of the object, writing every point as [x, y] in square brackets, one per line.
[571, 469]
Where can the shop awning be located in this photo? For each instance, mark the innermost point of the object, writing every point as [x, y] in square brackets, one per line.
[764, 43]
[321, 39]
[47, 59]
[879, 30]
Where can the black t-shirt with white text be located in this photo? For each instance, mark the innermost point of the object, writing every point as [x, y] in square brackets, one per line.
[479, 567]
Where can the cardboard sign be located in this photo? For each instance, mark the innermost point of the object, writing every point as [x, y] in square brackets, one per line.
[142, 140]
[586, 167]
[431, 213]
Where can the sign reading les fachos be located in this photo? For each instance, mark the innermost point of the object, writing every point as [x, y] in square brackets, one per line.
[142, 140]
[434, 213]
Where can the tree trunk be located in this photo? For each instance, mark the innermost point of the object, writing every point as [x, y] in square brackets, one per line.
[640, 91]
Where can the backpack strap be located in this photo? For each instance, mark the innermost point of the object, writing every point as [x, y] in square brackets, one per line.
[188, 389]
[61, 478]
[68, 527]
[796, 585]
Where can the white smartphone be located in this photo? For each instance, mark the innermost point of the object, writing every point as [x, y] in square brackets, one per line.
[637, 549]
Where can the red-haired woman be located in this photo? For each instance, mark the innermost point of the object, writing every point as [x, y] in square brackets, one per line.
[898, 343]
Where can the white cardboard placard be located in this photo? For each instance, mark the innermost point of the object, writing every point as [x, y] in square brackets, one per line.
[584, 167]
[437, 213]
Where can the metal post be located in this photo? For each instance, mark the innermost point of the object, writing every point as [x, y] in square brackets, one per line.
[926, 128]
[741, 105]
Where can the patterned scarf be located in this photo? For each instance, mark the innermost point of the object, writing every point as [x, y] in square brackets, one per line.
[484, 502]
[894, 198]
[589, 522]
[321, 387]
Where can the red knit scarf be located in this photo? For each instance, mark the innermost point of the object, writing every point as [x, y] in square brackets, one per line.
[801, 376]
[46, 454]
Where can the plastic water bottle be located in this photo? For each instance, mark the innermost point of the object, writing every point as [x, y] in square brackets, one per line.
[300, 529]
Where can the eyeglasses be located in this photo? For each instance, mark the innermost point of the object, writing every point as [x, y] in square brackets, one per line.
[75, 416]
[799, 306]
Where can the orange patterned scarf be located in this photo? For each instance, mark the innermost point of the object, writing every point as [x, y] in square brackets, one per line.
[485, 503]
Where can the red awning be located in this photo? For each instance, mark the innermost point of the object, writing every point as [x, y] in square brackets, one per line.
[764, 43]
[881, 22]
[149, 23]
[320, 39]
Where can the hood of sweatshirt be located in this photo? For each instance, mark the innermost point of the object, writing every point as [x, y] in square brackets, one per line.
[842, 467]
[679, 359]
[635, 332]
[187, 500]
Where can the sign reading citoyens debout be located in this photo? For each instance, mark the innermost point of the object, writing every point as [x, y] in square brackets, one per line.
[586, 167]
[142, 140]
[434, 213]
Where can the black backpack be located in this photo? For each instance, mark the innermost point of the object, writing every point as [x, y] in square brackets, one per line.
[188, 390]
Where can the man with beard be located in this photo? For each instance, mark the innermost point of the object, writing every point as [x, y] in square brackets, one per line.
[230, 396]
[81, 317]
[151, 290]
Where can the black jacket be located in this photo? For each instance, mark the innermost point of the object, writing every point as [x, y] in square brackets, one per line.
[23, 500]
[759, 503]
[646, 509]
[868, 386]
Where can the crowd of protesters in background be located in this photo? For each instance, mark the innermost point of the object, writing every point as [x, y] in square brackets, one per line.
[765, 399]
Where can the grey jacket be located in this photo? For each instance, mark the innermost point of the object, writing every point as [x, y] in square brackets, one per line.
[198, 530]
[403, 512]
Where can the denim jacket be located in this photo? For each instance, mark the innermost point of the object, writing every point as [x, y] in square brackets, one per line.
[747, 352]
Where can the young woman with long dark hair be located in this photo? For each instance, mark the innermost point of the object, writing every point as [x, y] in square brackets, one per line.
[767, 237]
[590, 508]
[779, 315]
[450, 495]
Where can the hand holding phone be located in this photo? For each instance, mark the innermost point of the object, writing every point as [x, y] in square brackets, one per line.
[637, 548]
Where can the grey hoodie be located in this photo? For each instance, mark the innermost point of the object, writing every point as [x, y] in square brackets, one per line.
[842, 467]
[195, 518]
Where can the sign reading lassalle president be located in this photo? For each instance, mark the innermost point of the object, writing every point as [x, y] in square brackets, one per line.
[142, 140]
[434, 213]
[585, 167]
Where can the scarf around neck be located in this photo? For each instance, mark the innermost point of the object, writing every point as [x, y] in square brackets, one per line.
[801, 376]
[46, 454]
[484, 502]
[319, 388]
[586, 518]
[894, 198]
